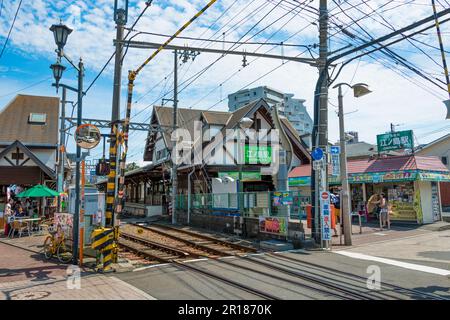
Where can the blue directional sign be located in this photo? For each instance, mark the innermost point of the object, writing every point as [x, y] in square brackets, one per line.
[335, 149]
[317, 154]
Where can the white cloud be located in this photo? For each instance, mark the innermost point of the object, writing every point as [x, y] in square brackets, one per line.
[394, 99]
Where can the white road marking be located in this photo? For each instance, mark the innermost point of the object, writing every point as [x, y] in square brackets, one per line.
[254, 254]
[380, 234]
[195, 260]
[227, 257]
[406, 265]
[152, 266]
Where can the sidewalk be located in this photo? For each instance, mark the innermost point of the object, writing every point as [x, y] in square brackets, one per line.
[91, 287]
[26, 274]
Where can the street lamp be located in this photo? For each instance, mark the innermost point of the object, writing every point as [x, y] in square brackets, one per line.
[58, 70]
[120, 11]
[61, 33]
[244, 124]
[359, 90]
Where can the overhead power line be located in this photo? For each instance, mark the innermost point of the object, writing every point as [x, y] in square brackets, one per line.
[10, 29]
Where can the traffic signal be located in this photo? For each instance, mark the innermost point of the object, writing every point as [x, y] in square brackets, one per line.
[102, 168]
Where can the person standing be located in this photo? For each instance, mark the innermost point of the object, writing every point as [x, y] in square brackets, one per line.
[8, 215]
[384, 212]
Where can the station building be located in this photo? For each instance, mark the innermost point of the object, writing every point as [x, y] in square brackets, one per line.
[210, 187]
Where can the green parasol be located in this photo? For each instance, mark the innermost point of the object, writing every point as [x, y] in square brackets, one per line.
[38, 191]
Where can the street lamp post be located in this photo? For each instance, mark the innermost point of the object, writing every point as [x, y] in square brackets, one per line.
[61, 33]
[244, 123]
[359, 90]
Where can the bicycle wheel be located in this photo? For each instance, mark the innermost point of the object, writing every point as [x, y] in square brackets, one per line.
[64, 253]
[48, 247]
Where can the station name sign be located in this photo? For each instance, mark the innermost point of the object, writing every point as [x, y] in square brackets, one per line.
[395, 141]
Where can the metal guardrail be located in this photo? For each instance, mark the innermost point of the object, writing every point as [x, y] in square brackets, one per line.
[266, 203]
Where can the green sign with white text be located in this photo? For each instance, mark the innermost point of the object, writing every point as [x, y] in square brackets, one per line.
[246, 175]
[395, 140]
[258, 154]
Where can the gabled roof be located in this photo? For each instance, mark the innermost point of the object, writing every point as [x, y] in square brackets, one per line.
[228, 120]
[242, 112]
[186, 118]
[397, 163]
[14, 120]
[432, 143]
[216, 117]
[30, 154]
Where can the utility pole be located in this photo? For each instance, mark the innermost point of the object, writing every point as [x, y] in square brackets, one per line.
[62, 148]
[392, 128]
[320, 130]
[174, 143]
[441, 47]
[120, 17]
[77, 170]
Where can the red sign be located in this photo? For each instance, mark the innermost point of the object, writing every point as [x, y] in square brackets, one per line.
[325, 195]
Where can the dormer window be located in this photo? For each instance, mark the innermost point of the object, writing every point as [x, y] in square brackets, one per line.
[37, 118]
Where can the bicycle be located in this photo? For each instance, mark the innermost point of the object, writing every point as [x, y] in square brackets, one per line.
[57, 245]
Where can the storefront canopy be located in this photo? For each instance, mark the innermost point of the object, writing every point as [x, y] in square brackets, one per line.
[390, 169]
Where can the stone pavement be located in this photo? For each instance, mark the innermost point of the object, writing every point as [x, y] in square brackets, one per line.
[90, 287]
[26, 274]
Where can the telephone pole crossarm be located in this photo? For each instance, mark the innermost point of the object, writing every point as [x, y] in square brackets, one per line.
[153, 45]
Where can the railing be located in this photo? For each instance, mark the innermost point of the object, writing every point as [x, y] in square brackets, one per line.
[249, 203]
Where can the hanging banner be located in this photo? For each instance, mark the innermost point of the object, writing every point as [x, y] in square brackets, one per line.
[326, 215]
[335, 165]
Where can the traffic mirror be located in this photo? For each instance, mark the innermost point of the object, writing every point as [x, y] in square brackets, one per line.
[87, 136]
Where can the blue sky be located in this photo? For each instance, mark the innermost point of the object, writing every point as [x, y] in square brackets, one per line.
[398, 98]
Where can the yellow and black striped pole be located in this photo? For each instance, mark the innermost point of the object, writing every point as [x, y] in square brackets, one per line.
[111, 184]
[441, 46]
[114, 208]
[103, 241]
[131, 77]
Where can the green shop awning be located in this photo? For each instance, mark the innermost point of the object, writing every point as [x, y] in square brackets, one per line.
[38, 191]
[378, 177]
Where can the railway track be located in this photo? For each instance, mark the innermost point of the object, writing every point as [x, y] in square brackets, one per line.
[163, 254]
[202, 245]
[172, 245]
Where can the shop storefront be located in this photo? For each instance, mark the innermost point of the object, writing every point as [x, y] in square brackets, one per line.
[412, 188]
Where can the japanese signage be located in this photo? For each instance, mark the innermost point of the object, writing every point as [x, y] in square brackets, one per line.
[434, 176]
[326, 215]
[395, 141]
[282, 199]
[299, 181]
[273, 225]
[246, 176]
[335, 165]
[258, 154]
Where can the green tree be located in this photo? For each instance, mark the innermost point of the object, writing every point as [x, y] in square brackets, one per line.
[131, 166]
